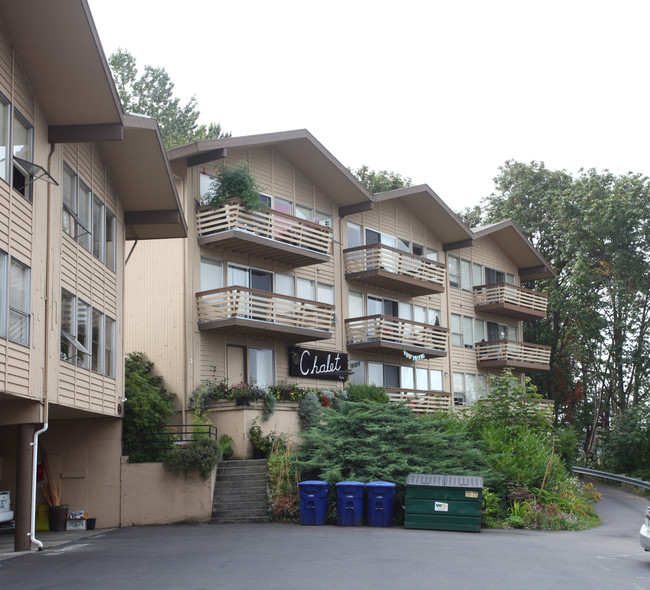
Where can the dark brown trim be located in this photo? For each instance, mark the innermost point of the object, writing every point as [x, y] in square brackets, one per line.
[152, 217]
[218, 154]
[458, 245]
[355, 208]
[533, 270]
[85, 133]
[396, 282]
[510, 310]
[503, 363]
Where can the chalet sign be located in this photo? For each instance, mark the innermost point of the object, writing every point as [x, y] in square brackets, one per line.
[318, 364]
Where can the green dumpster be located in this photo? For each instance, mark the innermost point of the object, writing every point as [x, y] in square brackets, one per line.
[443, 502]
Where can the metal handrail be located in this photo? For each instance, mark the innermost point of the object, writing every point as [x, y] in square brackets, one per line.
[638, 483]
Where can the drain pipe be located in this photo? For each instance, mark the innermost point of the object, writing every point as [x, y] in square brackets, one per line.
[46, 349]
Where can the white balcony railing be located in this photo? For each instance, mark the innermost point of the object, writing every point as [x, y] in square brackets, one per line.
[512, 353]
[505, 293]
[420, 401]
[380, 257]
[265, 223]
[253, 304]
[383, 328]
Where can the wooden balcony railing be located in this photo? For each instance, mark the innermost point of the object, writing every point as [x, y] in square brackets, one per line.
[420, 401]
[391, 268]
[510, 301]
[511, 353]
[390, 334]
[298, 241]
[251, 311]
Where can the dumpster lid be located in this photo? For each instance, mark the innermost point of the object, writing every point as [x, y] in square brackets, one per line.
[444, 481]
[350, 483]
[313, 483]
[381, 484]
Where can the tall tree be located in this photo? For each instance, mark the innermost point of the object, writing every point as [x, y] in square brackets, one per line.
[595, 231]
[152, 94]
[381, 181]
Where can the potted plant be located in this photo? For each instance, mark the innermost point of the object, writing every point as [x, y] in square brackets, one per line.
[234, 182]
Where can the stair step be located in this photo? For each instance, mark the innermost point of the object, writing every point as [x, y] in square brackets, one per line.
[240, 493]
[240, 513]
[245, 520]
[247, 496]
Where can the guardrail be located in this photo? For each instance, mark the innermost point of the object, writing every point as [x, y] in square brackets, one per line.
[637, 483]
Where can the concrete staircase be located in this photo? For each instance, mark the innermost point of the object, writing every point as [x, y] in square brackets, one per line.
[240, 493]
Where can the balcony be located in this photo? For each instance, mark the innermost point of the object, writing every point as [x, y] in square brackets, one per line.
[265, 234]
[252, 312]
[420, 402]
[386, 334]
[513, 354]
[390, 268]
[504, 299]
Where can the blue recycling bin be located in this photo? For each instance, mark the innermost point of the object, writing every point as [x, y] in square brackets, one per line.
[379, 503]
[313, 502]
[349, 503]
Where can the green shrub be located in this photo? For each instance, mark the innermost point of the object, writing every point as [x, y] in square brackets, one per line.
[202, 454]
[225, 442]
[626, 447]
[234, 182]
[148, 408]
[309, 410]
[362, 392]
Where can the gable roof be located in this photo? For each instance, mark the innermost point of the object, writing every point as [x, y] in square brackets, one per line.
[57, 45]
[531, 264]
[433, 212]
[301, 148]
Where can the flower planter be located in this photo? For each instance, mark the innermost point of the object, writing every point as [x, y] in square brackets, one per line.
[58, 516]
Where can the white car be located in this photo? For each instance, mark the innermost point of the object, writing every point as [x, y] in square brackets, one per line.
[644, 533]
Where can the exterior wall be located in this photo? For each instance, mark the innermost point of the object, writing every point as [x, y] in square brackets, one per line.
[85, 454]
[236, 421]
[153, 495]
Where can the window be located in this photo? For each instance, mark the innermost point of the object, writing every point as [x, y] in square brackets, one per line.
[110, 233]
[325, 293]
[22, 148]
[75, 330]
[501, 331]
[306, 289]
[494, 276]
[87, 336]
[238, 276]
[3, 294]
[97, 341]
[468, 332]
[211, 274]
[283, 206]
[109, 347]
[260, 363]
[456, 330]
[354, 235]
[76, 208]
[435, 380]
[285, 285]
[19, 302]
[355, 304]
[511, 279]
[477, 274]
[465, 275]
[467, 387]
[479, 330]
[98, 229]
[358, 369]
[205, 184]
[453, 270]
[5, 110]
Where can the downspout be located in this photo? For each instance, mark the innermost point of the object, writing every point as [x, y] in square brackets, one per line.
[46, 364]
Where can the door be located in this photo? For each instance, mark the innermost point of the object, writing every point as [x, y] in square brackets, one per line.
[236, 359]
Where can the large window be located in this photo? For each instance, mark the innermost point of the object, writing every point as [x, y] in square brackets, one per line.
[398, 377]
[211, 274]
[19, 302]
[468, 387]
[87, 336]
[467, 331]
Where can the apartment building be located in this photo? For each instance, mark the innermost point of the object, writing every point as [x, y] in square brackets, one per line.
[78, 177]
[329, 282]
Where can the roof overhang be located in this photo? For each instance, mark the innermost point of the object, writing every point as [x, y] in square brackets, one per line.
[433, 213]
[516, 246]
[58, 47]
[142, 177]
[302, 149]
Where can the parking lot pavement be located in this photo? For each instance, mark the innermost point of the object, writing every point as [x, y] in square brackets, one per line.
[48, 539]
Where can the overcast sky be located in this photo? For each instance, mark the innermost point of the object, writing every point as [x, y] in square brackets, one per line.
[443, 92]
